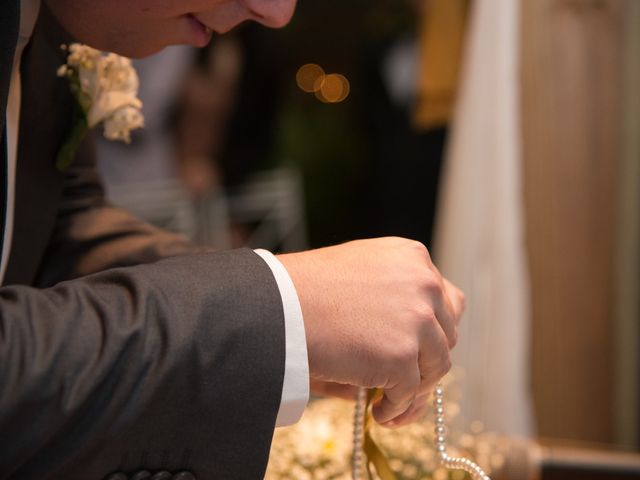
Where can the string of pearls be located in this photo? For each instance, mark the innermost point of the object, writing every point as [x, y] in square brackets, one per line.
[357, 462]
[452, 463]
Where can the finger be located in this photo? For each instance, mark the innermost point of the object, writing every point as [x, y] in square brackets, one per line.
[442, 307]
[330, 389]
[397, 398]
[416, 411]
[434, 359]
[456, 297]
[447, 318]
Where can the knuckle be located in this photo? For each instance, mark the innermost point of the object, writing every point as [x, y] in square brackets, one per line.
[432, 285]
[421, 251]
[419, 247]
[424, 314]
[404, 355]
[429, 325]
[437, 369]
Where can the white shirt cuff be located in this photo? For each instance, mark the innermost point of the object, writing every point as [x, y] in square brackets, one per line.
[295, 388]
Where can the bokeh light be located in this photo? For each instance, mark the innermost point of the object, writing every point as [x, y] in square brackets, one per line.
[334, 89]
[310, 77]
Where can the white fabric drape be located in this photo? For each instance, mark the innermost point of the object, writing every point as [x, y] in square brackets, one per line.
[479, 239]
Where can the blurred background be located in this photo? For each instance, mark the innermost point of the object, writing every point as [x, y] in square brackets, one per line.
[503, 134]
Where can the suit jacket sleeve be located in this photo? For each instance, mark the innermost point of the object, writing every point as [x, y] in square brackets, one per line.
[172, 365]
[120, 359]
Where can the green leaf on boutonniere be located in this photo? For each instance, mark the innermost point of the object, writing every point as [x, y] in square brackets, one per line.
[68, 152]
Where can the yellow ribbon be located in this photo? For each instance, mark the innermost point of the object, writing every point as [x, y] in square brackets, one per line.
[374, 455]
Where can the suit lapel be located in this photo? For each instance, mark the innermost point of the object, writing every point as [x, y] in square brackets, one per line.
[45, 119]
[9, 27]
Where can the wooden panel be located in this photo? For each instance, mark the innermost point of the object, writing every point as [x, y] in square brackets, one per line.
[570, 121]
[627, 248]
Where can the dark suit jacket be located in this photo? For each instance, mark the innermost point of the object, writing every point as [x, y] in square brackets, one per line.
[120, 349]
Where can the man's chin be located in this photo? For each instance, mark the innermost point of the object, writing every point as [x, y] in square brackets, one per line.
[190, 31]
[137, 53]
[131, 49]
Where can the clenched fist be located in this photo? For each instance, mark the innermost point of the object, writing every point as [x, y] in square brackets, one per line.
[377, 314]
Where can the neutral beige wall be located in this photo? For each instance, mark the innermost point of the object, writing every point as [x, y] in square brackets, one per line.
[571, 78]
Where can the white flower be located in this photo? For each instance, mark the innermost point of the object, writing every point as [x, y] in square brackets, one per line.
[119, 125]
[106, 87]
[319, 446]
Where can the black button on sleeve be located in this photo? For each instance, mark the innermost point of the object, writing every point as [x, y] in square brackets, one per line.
[117, 476]
[142, 475]
[184, 476]
[162, 476]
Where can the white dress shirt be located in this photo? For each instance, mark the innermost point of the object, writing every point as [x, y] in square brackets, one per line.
[295, 390]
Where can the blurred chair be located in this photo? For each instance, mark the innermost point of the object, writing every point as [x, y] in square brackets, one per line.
[271, 201]
[267, 208]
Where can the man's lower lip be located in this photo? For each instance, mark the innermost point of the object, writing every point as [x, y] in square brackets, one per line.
[201, 33]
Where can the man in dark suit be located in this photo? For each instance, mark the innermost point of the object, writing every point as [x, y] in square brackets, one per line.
[127, 353]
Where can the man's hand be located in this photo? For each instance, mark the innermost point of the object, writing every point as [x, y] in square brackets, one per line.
[377, 314]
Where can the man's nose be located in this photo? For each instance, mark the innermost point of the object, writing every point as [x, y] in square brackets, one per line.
[272, 13]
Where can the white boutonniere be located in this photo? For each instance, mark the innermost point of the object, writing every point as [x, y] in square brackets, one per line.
[105, 86]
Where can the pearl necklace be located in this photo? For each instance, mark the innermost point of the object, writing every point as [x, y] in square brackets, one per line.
[357, 462]
[447, 461]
